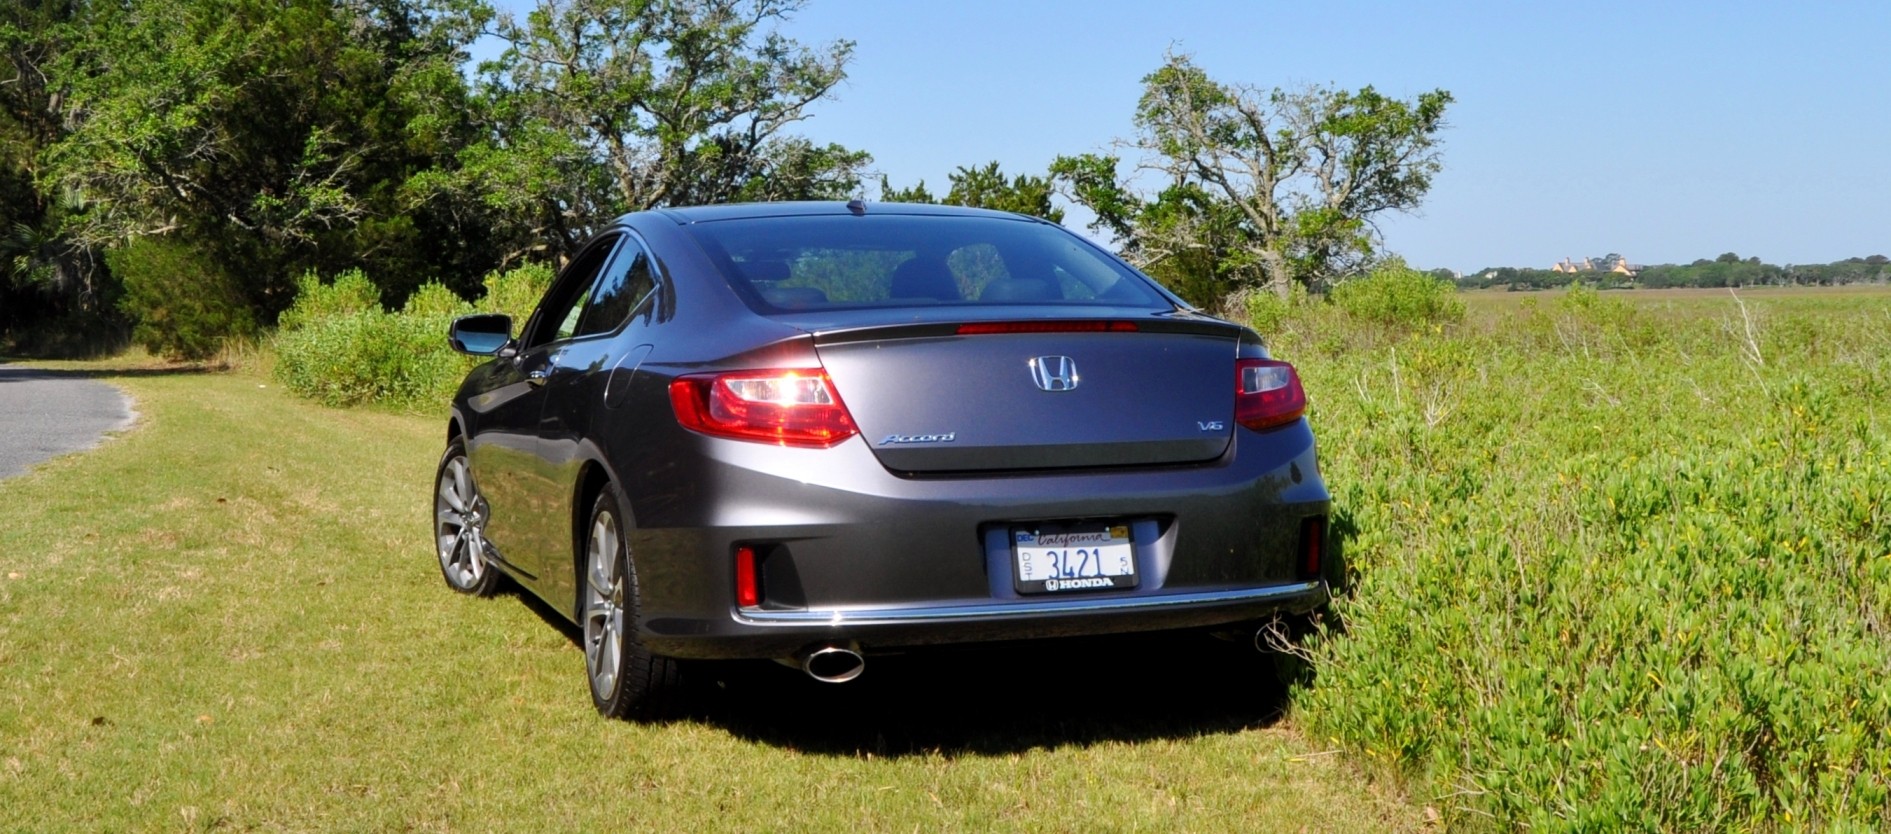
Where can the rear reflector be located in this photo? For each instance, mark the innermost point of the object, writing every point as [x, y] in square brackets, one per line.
[748, 592]
[1312, 545]
[985, 328]
[1267, 393]
[784, 407]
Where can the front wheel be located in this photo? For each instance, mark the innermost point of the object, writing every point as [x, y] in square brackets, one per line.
[459, 525]
[627, 681]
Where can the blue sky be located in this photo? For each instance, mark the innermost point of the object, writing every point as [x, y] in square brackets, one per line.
[1663, 131]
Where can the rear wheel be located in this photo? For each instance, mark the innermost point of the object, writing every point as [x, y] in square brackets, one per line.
[459, 525]
[627, 681]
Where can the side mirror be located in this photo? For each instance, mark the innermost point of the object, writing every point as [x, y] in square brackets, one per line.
[485, 334]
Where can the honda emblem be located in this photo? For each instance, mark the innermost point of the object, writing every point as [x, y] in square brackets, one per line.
[1054, 373]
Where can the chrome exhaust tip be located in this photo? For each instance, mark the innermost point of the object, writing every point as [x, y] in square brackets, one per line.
[832, 663]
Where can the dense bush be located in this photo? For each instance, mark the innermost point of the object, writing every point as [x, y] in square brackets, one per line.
[515, 292]
[185, 304]
[1394, 294]
[350, 292]
[1616, 566]
[337, 345]
[1268, 311]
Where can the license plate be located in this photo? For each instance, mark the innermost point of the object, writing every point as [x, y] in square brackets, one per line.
[1057, 559]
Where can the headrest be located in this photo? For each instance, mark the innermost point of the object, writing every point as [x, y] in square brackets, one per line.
[765, 272]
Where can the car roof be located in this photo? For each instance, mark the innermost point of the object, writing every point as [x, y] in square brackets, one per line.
[748, 211]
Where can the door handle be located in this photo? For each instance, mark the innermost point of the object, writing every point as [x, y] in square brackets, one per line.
[538, 377]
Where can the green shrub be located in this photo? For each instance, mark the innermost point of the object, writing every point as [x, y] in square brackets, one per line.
[434, 299]
[1616, 589]
[350, 292]
[1394, 294]
[339, 347]
[1268, 313]
[516, 292]
[1583, 320]
[184, 304]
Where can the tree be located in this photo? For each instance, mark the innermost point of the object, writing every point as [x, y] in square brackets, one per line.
[272, 136]
[598, 107]
[1259, 188]
[48, 281]
[985, 187]
[916, 194]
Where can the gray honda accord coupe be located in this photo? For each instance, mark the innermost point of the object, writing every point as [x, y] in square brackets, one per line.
[813, 432]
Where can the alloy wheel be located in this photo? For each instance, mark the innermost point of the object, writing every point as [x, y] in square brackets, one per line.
[604, 606]
[460, 526]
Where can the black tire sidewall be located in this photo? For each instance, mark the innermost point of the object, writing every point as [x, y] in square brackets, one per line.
[645, 682]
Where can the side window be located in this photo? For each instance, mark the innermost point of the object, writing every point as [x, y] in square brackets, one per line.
[622, 287]
[558, 314]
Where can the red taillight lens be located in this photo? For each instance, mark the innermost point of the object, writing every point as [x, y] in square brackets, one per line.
[786, 407]
[748, 592]
[987, 328]
[1267, 393]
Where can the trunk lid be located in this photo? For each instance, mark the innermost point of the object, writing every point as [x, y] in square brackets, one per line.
[929, 398]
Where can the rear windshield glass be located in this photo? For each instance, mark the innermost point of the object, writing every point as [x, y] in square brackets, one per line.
[834, 261]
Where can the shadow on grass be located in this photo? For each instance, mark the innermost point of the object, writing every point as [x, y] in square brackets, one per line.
[992, 700]
[1008, 699]
[14, 373]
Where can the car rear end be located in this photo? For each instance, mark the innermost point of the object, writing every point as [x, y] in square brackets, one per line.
[1030, 441]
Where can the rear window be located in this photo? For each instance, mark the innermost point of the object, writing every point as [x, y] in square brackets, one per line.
[892, 260]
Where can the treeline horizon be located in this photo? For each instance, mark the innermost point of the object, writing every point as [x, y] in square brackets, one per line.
[1726, 270]
[171, 170]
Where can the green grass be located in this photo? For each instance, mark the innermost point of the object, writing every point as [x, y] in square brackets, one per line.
[229, 618]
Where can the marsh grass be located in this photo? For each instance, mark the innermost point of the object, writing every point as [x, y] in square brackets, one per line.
[229, 618]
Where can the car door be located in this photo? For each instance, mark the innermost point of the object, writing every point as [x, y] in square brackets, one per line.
[593, 366]
[505, 453]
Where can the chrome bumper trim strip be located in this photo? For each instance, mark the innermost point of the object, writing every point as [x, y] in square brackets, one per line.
[1031, 608]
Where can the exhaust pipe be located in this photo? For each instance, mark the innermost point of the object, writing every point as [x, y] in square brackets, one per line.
[832, 663]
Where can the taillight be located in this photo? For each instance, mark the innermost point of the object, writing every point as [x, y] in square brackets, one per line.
[1267, 393]
[784, 407]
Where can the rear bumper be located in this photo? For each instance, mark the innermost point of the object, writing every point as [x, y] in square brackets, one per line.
[754, 634]
[854, 553]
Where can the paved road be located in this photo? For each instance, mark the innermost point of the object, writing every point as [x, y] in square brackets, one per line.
[48, 413]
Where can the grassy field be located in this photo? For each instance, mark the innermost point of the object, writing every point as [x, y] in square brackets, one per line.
[1617, 561]
[229, 619]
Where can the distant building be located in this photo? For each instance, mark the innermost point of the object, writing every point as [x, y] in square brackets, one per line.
[1616, 264]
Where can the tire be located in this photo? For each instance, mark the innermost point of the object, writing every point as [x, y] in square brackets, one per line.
[627, 681]
[459, 526]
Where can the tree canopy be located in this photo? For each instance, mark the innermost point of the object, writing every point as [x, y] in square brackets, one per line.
[600, 107]
[985, 187]
[222, 148]
[1257, 188]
